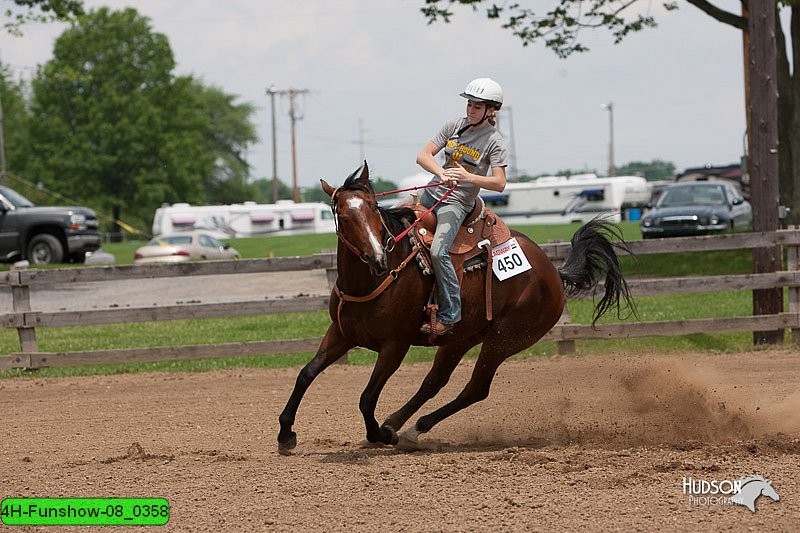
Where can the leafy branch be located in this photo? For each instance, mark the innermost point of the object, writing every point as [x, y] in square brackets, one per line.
[559, 27]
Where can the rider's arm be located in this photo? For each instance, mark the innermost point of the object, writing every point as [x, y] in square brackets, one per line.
[495, 182]
[427, 159]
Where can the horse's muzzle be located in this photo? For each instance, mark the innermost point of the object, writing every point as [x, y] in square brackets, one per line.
[377, 265]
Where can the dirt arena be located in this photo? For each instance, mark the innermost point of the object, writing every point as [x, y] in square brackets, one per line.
[566, 444]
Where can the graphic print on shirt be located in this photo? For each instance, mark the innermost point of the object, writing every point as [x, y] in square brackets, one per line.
[457, 153]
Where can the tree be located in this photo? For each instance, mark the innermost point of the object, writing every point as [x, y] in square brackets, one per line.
[40, 11]
[560, 27]
[15, 121]
[653, 170]
[263, 191]
[230, 132]
[113, 125]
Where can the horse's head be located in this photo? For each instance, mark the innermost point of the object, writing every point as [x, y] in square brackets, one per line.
[358, 220]
[769, 491]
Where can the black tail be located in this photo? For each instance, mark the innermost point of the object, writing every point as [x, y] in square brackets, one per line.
[592, 257]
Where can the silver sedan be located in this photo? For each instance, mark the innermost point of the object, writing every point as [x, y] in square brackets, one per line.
[180, 247]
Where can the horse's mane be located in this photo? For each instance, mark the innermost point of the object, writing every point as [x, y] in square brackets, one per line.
[397, 218]
[750, 479]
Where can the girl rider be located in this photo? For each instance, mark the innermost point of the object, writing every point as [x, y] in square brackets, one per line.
[475, 158]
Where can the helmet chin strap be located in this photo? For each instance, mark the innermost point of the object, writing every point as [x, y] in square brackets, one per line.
[481, 121]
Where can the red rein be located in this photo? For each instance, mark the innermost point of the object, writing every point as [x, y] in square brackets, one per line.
[409, 189]
[405, 231]
[392, 239]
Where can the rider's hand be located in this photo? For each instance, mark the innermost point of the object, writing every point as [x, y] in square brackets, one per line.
[455, 174]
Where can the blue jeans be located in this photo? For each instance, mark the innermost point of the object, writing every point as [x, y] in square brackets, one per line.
[449, 218]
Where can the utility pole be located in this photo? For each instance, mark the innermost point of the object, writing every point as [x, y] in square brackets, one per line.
[293, 116]
[611, 168]
[2, 147]
[512, 152]
[763, 111]
[271, 90]
[361, 140]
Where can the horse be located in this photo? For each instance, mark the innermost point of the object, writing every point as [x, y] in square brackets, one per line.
[523, 309]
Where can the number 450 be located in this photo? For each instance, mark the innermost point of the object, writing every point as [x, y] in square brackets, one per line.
[509, 262]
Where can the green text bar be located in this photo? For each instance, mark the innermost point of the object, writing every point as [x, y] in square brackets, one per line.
[84, 511]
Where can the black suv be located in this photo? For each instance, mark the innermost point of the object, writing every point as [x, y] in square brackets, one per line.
[45, 235]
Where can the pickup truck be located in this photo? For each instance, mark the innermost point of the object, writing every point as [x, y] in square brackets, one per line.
[45, 235]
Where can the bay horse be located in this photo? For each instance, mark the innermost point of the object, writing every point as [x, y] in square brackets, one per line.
[524, 308]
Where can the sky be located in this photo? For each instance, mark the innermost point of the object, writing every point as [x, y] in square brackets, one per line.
[376, 72]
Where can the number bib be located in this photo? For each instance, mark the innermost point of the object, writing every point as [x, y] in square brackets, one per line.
[508, 260]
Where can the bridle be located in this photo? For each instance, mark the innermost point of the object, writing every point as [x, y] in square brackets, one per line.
[388, 244]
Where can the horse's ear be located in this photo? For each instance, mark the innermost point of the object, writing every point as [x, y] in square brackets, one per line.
[364, 172]
[327, 188]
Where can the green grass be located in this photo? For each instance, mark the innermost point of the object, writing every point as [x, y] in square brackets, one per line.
[311, 325]
[658, 265]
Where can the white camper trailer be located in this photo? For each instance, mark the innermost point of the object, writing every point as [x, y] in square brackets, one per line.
[245, 220]
[559, 199]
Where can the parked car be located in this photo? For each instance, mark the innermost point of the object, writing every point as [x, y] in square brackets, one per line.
[181, 247]
[45, 235]
[697, 208]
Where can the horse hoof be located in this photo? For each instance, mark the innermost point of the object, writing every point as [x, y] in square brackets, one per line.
[286, 446]
[408, 441]
[389, 435]
[369, 445]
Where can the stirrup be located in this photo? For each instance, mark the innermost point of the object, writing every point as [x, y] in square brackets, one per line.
[440, 328]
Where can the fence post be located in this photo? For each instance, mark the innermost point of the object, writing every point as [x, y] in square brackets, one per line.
[21, 303]
[332, 274]
[564, 347]
[793, 264]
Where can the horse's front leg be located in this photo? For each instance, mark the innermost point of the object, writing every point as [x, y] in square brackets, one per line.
[333, 346]
[389, 359]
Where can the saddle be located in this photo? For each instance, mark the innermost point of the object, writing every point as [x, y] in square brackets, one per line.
[480, 232]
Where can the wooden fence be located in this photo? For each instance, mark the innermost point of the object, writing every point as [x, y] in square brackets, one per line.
[26, 320]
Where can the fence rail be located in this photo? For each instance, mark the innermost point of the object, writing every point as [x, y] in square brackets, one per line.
[26, 320]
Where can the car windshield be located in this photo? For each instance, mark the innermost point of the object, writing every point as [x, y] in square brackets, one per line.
[171, 239]
[15, 198]
[692, 195]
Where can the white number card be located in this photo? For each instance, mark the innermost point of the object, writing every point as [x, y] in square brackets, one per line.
[508, 260]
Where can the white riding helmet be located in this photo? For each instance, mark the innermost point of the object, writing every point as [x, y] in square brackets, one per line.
[485, 90]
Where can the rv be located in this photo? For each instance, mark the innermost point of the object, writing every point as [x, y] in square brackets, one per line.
[245, 220]
[560, 199]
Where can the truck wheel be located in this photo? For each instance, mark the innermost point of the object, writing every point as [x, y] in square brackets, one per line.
[45, 249]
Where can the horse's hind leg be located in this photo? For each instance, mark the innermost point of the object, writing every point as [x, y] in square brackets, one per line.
[389, 359]
[477, 389]
[446, 360]
[332, 347]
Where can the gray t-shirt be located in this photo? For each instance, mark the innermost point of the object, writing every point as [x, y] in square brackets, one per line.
[477, 150]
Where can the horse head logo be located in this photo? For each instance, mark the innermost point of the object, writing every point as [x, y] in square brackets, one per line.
[752, 488]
